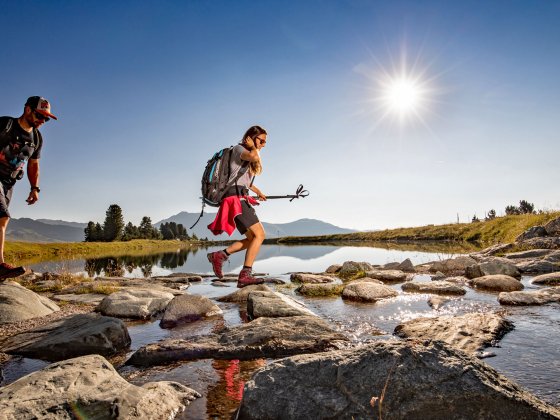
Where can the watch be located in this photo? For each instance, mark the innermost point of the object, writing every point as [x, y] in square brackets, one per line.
[36, 189]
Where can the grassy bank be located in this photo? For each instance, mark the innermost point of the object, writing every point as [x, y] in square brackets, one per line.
[499, 230]
[19, 252]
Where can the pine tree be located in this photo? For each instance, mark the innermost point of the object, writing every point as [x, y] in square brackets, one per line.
[512, 210]
[113, 226]
[146, 229]
[526, 208]
[89, 232]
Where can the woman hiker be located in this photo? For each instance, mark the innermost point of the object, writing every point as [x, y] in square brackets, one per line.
[236, 209]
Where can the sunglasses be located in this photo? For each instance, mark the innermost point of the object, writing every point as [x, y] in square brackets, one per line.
[262, 141]
[40, 116]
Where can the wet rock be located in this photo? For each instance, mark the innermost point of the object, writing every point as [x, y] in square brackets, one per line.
[550, 279]
[532, 232]
[73, 336]
[538, 266]
[90, 386]
[437, 302]
[241, 295]
[310, 278]
[388, 379]
[436, 287]
[490, 268]
[332, 269]
[320, 290]
[134, 303]
[88, 298]
[274, 305]
[531, 253]
[438, 276]
[352, 268]
[218, 283]
[452, 265]
[469, 333]
[539, 297]
[18, 303]
[261, 338]
[367, 291]
[497, 283]
[188, 308]
[180, 278]
[228, 279]
[388, 276]
[457, 280]
[553, 227]
[406, 265]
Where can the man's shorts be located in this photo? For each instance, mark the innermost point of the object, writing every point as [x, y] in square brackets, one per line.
[5, 197]
[247, 218]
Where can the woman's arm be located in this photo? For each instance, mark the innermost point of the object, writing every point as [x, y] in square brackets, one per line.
[259, 193]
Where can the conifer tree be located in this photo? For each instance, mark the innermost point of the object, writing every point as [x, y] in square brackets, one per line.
[113, 227]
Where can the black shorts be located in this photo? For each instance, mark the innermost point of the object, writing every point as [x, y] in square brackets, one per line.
[247, 218]
[5, 197]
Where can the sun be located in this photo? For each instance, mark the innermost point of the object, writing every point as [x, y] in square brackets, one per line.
[403, 95]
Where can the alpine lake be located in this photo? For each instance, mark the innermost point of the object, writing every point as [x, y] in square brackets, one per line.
[529, 354]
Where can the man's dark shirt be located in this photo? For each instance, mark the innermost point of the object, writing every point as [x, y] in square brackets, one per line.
[16, 147]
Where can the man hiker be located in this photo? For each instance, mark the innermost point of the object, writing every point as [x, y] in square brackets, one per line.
[20, 141]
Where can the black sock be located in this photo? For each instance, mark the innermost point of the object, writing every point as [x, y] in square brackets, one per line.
[227, 253]
[247, 267]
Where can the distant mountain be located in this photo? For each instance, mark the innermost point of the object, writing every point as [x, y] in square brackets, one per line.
[30, 230]
[62, 223]
[302, 227]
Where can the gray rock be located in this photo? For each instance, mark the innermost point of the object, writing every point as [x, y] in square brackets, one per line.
[457, 280]
[310, 278]
[261, 338]
[179, 278]
[89, 387]
[274, 305]
[492, 250]
[437, 302]
[551, 242]
[539, 297]
[241, 295]
[388, 276]
[188, 308]
[218, 283]
[88, 298]
[553, 227]
[73, 336]
[550, 279]
[436, 287]
[391, 266]
[388, 379]
[469, 333]
[438, 276]
[531, 253]
[134, 303]
[532, 232]
[367, 291]
[453, 265]
[554, 257]
[352, 268]
[332, 269]
[490, 268]
[497, 283]
[316, 290]
[537, 266]
[18, 303]
[406, 265]
[365, 279]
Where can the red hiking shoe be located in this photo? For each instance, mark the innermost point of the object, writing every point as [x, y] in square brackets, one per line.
[8, 271]
[217, 259]
[246, 279]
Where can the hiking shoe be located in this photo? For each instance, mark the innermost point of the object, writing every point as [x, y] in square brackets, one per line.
[8, 271]
[246, 279]
[217, 259]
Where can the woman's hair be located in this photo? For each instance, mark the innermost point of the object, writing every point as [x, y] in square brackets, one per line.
[255, 168]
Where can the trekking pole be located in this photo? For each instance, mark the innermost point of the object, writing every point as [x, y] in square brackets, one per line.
[300, 192]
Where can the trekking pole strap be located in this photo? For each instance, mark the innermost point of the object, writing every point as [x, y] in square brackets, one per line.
[199, 217]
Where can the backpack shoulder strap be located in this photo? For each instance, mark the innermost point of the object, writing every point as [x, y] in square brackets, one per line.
[8, 126]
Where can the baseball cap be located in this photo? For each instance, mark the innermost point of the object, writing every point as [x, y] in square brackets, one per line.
[41, 105]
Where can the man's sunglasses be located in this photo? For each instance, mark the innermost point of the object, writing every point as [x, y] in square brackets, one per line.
[40, 116]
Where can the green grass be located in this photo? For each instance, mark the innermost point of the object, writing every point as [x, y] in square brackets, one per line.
[499, 230]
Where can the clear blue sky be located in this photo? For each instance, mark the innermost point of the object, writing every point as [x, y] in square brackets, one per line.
[146, 91]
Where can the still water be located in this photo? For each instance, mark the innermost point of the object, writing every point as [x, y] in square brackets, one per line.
[529, 355]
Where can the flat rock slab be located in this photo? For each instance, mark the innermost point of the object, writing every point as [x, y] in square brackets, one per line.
[388, 276]
[469, 333]
[389, 380]
[540, 297]
[188, 308]
[18, 303]
[179, 278]
[274, 305]
[497, 283]
[135, 303]
[440, 287]
[261, 338]
[491, 268]
[531, 253]
[310, 278]
[73, 336]
[367, 291]
[453, 265]
[241, 295]
[320, 290]
[538, 266]
[550, 279]
[89, 298]
[90, 386]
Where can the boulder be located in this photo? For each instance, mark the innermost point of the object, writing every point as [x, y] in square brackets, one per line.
[391, 266]
[134, 303]
[352, 268]
[241, 295]
[553, 227]
[406, 265]
[550, 242]
[388, 379]
[492, 267]
[532, 232]
[469, 333]
[18, 303]
[73, 336]
[310, 278]
[261, 338]
[436, 287]
[188, 308]
[320, 290]
[539, 297]
[550, 279]
[452, 265]
[530, 253]
[334, 268]
[274, 305]
[554, 257]
[388, 276]
[437, 302]
[89, 387]
[538, 266]
[367, 291]
[497, 283]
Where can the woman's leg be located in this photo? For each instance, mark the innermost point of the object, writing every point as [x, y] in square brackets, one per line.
[254, 245]
[240, 245]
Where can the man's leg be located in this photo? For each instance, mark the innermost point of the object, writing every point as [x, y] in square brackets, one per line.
[3, 225]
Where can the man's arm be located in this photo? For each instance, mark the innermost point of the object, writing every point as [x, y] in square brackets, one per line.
[33, 176]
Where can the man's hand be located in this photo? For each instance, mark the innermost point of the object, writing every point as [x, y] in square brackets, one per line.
[33, 197]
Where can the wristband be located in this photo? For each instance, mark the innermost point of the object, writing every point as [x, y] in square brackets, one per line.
[35, 188]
